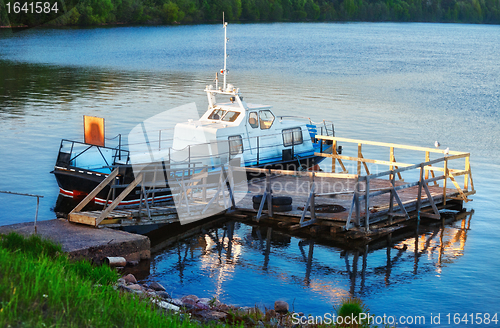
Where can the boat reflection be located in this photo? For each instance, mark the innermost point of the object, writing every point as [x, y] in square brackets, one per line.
[222, 259]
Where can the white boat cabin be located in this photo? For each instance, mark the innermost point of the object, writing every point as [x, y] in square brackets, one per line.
[251, 132]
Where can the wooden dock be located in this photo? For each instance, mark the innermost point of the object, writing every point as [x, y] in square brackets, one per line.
[373, 201]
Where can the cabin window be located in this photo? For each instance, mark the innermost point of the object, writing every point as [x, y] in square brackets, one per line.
[292, 137]
[217, 114]
[253, 120]
[266, 119]
[235, 145]
[231, 116]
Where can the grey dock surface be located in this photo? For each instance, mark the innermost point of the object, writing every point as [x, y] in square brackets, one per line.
[81, 241]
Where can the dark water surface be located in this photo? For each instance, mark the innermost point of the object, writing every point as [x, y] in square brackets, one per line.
[402, 83]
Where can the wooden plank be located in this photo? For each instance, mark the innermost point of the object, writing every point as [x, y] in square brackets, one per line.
[430, 215]
[457, 173]
[82, 218]
[118, 199]
[430, 198]
[96, 190]
[464, 198]
[110, 221]
[385, 144]
[412, 167]
[334, 152]
[310, 204]
[363, 160]
[297, 173]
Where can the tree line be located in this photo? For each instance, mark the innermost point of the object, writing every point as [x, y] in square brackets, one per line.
[99, 12]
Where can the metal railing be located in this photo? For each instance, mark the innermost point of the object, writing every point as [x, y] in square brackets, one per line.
[29, 195]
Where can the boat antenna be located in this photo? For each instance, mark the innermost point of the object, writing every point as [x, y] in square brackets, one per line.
[224, 24]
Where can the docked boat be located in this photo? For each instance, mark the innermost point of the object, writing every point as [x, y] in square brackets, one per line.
[230, 130]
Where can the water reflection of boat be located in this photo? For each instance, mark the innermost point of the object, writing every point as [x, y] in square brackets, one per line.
[230, 129]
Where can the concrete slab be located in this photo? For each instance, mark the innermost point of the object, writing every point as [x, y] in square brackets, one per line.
[81, 241]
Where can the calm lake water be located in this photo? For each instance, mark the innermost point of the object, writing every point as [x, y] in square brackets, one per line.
[402, 83]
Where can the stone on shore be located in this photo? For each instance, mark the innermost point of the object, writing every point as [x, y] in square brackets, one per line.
[163, 295]
[130, 279]
[194, 298]
[135, 287]
[156, 286]
[167, 306]
[281, 307]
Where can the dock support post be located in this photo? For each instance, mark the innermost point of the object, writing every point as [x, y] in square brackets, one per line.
[367, 204]
[419, 197]
[313, 204]
[269, 194]
[445, 180]
[466, 175]
[391, 200]
[357, 205]
[359, 156]
[391, 157]
[334, 161]
[427, 158]
[230, 184]
[204, 190]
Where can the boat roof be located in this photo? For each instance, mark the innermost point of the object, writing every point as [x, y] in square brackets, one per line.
[235, 105]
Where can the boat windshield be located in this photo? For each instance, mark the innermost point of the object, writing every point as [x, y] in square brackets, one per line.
[266, 119]
[217, 114]
[231, 116]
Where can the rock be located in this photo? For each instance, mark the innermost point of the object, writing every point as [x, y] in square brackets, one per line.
[130, 279]
[122, 281]
[204, 300]
[189, 303]
[156, 286]
[281, 307]
[223, 307]
[163, 295]
[134, 287]
[132, 263]
[202, 306]
[167, 306]
[129, 290]
[176, 301]
[194, 298]
[213, 315]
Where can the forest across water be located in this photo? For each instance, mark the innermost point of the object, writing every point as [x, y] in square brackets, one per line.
[99, 12]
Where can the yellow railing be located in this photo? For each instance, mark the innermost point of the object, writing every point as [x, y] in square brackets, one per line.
[448, 173]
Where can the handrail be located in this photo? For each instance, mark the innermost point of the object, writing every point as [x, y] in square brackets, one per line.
[397, 168]
[29, 195]
[386, 144]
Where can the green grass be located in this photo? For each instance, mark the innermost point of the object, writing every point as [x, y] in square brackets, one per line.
[41, 287]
